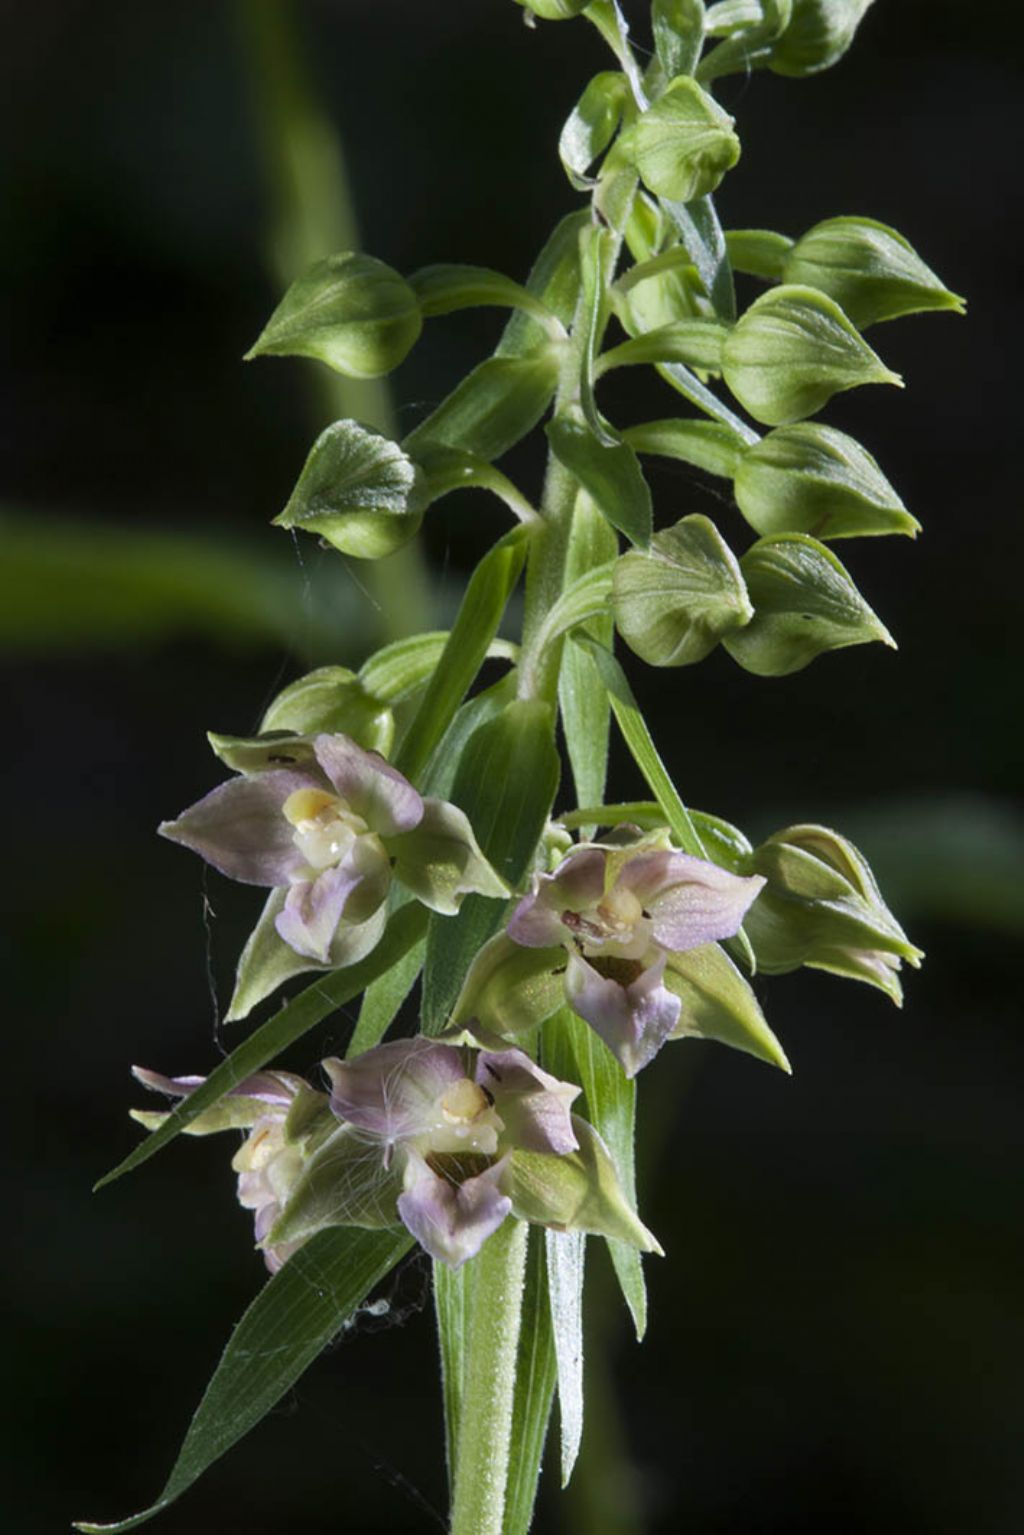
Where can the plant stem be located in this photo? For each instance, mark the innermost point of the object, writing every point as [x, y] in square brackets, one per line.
[485, 1429]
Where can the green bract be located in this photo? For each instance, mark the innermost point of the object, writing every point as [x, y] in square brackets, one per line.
[684, 144]
[554, 10]
[791, 351]
[818, 35]
[349, 311]
[591, 125]
[809, 478]
[610, 473]
[870, 270]
[804, 602]
[359, 491]
[673, 605]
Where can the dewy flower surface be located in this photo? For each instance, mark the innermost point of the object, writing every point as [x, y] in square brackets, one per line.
[331, 833]
[620, 916]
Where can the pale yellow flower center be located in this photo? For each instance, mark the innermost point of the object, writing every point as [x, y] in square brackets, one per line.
[463, 1102]
[325, 827]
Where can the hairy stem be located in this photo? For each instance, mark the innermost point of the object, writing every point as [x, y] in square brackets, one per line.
[485, 1428]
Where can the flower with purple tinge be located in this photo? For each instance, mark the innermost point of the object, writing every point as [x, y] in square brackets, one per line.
[326, 835]
[272, 1156]
[621, 914]
[445, 1124]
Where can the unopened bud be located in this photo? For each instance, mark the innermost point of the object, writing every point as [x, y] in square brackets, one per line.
[683, 144]
[870, 270]
[819, 33]
[673, 605]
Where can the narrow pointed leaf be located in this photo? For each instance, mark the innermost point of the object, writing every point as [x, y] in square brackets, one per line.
[493, 407]
[446, 287]
[709, 445]
[383, 999]
[555, 280]
[566, 1258]
[534, 1394]
[610, 473]
[582, 696]
[451, 1310]
[296, 1315]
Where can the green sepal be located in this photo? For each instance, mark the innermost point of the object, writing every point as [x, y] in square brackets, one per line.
[441, 862]
[579, 1191]
[344, 1183]
[263, 754]
[673, 605]
[510, 988]
[684, 144]
[870, 270]
[719, 1004]
[359, 491]
[494, 406]
[591, 125]
[749, 28]
[821, 907]
[812, 479]
[759, 252]
[447, 287]
[818, 35]
[610, 473]
[805, 602]
[791, 351]
[332, 699]
[678, 27]
[709, 445]
[351, 312]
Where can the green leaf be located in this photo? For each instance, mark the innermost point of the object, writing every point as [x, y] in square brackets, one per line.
[307, 1304]
[684, 144]
[750, 28]
[572, 1049]
[695, 343]
[566, 1259]
[351, 312]
[805, 602]
[555, 280]
[719, 1004]
[701, 234]
[678, 35]
[818, 35]
[792, 351]
[709, 445]
[760, 252]
[481, 612]
[359, 491]
[609, 473]
[296, 1018]
[598, 248]
[870, 270]
[506, 782]
[451, 1309]
[439, 774]
[591, 125]
[332, 699]
[493, 407]
[383, 999]
[535, 1386]
[812, 479]
[582, 697]
[448, 469]
[673, 605]
[447, 287]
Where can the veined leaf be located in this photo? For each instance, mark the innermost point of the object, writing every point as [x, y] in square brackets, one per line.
[383, 999]
[566, 1257]
[299, 1311]
[582, 696]
[446, 287]
[535, 1389]
[610, 474]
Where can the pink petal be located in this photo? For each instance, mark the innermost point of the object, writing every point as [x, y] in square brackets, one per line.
[240, 828]
[313, 909]
[634, 1021]
[690, 900]
[576, 885]
[393, 1090]
[533, 1105]
[451, 1223]
[387, 802]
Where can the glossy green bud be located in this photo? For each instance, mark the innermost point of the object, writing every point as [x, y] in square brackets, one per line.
[351, 312]
[821, 907]
[332, 699]
[805, 602]
[683, 144]
[791, 351]
[673, 605]
[812, 479]
[359, 491]
[870, 270]
[819, 33]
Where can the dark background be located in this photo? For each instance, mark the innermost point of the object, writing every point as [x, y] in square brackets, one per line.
[836, 1334]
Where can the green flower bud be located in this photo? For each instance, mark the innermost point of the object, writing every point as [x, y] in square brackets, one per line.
[683, 144]
[870, 270]
[673, 605]
[818, 35]
[791, 351]
[805, 602]
[332, 699]
[359, 491]
[822, 908]
[812, 479]
[351, 312]
[554, 10]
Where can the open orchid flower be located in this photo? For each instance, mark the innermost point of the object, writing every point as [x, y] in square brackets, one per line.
[284, 1117]
[607, 932]
[326, 836]
[449, 1142]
